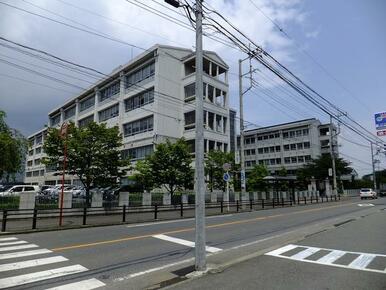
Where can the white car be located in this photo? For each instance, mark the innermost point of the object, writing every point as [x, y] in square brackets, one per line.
[17, 189]
[368, 193]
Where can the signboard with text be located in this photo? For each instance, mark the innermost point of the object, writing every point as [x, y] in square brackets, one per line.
[381, 133]
[380, 121]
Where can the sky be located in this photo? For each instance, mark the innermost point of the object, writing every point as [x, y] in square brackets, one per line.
[335, 46]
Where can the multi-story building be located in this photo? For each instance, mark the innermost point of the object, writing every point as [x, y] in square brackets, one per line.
[150, 99]
[289, 145]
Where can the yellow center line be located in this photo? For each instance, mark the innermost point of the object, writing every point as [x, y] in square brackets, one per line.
[130, 238]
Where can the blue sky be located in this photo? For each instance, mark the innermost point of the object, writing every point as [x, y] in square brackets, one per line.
[346, 37]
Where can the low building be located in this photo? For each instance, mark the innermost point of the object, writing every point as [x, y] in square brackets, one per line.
[150, 99]
[290, 145]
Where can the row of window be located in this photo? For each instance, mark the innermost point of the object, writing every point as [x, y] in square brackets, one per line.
[214, 95]
[35, 173]
[209, 145]
[69, 112]
[212, 121]
[139, 100]
[138, 153]
[297, 159]
[109, 91]
[138, 126]
[295, 133]
[140, 75]
[297, 146]
[109, 113]
[87, 103]
[272, 161]
[85, 121]
[34, 162]
[270, 149]
[38, 150]
[273, 135]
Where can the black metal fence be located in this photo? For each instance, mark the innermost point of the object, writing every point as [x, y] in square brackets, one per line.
[14, 220]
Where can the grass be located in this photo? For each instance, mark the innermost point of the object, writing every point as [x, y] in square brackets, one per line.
[9, 202]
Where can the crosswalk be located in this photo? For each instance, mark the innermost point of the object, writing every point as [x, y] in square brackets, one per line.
[331, 257]
[22, 263]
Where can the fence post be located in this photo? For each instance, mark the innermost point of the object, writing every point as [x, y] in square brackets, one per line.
[4, 222]
[155, 211]
[305, 200]
[298, 199]
[311, 198]
[335, 197]
[222, 206]
[291, 201]
[34, 218]
[317, 199]
[182, 209]
[237, 205]
[84, 215]
[250, 204]
[339, 196]
[262, 203]
[282, 202]
[124, 213]
[273, 203]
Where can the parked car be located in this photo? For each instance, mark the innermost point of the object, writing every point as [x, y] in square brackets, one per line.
[17, 189]
[368, 193]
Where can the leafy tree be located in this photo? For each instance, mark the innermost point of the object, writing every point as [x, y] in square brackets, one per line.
[93, 154]
[255, 179]
[13, 148]
[168, 167]
[214, 171]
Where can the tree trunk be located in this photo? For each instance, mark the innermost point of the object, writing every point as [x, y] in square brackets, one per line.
[88, 196]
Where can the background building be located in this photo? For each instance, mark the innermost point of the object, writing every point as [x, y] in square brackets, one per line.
[289, 145]
[150, 99]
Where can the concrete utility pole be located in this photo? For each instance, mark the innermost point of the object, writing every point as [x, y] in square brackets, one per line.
[373, 165]
[200, 251]
[332, 153]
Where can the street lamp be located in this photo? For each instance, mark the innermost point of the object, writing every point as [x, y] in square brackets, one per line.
[63, 135]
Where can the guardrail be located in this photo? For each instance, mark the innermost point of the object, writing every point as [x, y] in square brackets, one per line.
[15, 220]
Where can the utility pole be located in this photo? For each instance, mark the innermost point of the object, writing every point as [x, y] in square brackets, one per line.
[332, 153]
[373, 165]
[200, 251]
[200, 239]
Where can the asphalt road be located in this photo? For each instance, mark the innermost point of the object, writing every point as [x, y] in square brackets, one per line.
[158, 254]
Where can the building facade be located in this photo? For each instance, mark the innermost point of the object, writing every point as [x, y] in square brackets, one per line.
[150, 99]
[289, 145]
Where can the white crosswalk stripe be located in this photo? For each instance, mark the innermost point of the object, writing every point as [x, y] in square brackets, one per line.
[358, 260]
[39, 269]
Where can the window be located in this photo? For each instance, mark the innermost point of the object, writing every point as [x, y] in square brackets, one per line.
[31, 152]
[271, 149]
[271, 136]
[190, 92]
[87, 103]
[137, 153]
[139, 100]
[277, 135]
[109, 91]
[293, 159]
[139, 75]
[42, 172]
[29, 163]
[305, 132]
[85, 121]
[285, 135]
[272, 161]
[325, 143]
[265, 137]
[36, 173]
[55, 120]
[38, 150]
[298, 133]
[37, 161]
[307, 158]
[253, 151]
[259, 138]
[278, 160]
[300, 159]
[247, 152]
[277, 148]
[109, 113]
[293, 146]
[306, 145]
[266, 150]
[39, 139]
[260, 150]
[190, 120]
[299, 146]
[287, 160]
[69, 113]
[286, 147]
[28, 174]
[139, 126]
[292, 134]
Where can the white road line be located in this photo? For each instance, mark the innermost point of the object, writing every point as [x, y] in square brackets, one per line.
[362, 261]
[12, 248]
[31, 263]
[281, 250]
[24, 254]
[81, 285]
[12, 243]
[185, 243]
[8, 239]
[174, 221]
[331, 257]
[39, 276]
[305, 253]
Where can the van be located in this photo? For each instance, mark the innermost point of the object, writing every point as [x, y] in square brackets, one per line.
[17, 189]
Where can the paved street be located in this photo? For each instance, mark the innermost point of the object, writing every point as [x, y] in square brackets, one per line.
[159, 254]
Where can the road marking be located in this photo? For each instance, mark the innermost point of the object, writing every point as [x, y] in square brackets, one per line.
[81, 285]
[130, 238]
[331, 257]
[185, 243]
[12, 243]
[359, 263]
[175, 221]
[12, 248]
[39, 276]
[8, 239]
[24, 254]
[362, 261]
[365, 204]
[31, 263]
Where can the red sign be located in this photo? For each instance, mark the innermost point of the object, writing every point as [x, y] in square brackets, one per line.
[381, 133]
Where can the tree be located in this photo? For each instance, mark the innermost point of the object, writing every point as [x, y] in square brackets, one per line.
[255, 180]
[214, 171]
[93, 154]
[13, 148]
[168, 167]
